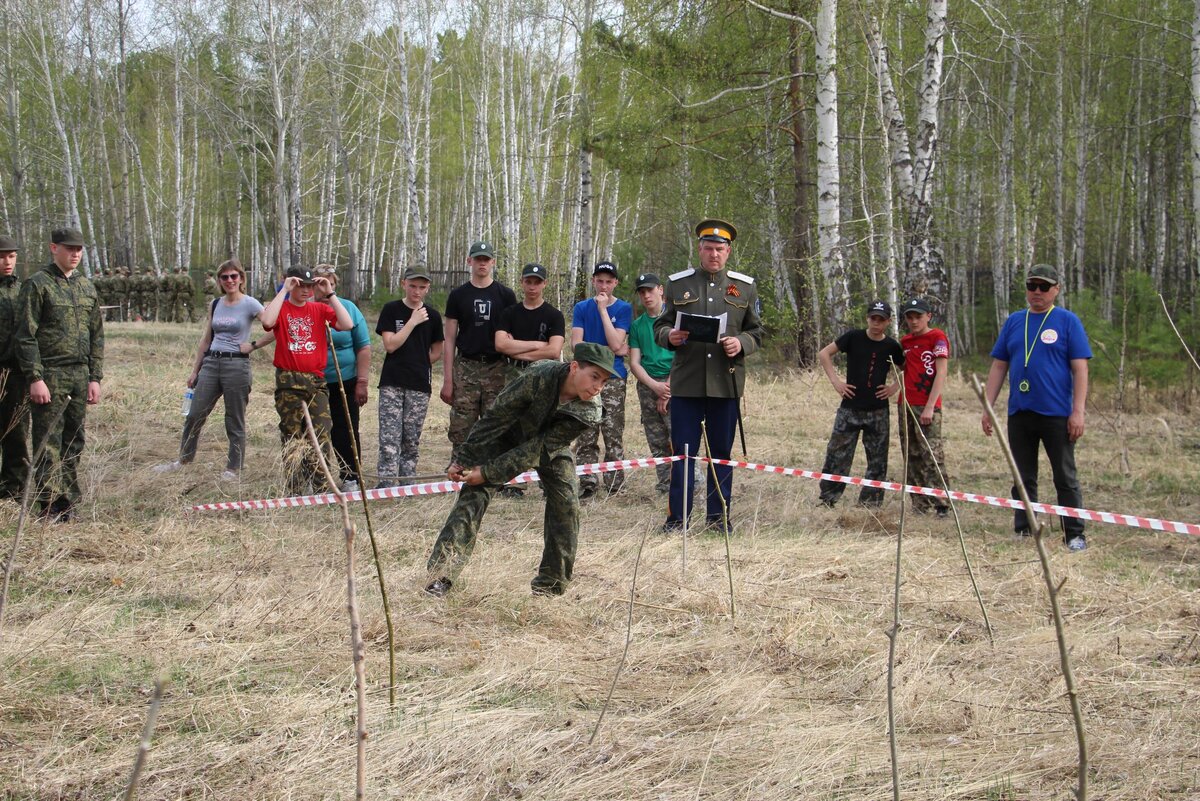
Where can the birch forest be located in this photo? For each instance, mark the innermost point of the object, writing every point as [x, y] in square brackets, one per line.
[862, 148]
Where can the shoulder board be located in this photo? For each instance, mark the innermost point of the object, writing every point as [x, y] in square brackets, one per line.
[740, 276]
[682, 274]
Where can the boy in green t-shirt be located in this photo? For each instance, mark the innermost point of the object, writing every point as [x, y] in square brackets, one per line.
[651, 365]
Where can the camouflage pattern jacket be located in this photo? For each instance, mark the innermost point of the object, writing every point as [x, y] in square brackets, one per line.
[526, 421]
[10, 289]
[59, 324]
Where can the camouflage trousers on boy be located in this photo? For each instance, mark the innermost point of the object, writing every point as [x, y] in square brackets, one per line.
[560, 526]
[476, 386]
[401, 418]
[57, 471]
[612, 426]
[926, 463]
[658, 433]
[301, 466]
[873, 424]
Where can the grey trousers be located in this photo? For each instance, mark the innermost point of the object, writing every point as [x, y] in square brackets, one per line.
[228, 378]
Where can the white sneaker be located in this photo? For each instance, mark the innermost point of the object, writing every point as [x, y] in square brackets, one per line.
[230, 475]
[168, 467]
[350, 485]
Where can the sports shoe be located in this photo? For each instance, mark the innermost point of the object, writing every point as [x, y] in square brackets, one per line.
[587, 493]
[438, 587]
[511, 491]
[349, 485]
[1077, 543]
[168, 467]
[672, 527]
[942, 512]
[719, 525]
[229, 475]
[1023, 532]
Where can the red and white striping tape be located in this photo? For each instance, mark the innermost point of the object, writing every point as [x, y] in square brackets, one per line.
[988, 500]
[441, 487]
[409, 490]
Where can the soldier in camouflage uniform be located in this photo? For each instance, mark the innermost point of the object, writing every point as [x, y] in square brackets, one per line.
[60, 348]
[531, 424]
[187, 296]
[166, 297]
[14, 409]
[870, 356]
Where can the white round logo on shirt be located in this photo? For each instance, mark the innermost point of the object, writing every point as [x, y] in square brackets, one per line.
[1049, 336]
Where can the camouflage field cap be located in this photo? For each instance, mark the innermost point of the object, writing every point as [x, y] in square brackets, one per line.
[8, 244]
[595, 354]
[67, 236]
[1042, 272]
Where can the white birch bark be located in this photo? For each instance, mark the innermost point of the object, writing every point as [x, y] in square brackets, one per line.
[1195, 136]
[829, 231]
[1002, 231]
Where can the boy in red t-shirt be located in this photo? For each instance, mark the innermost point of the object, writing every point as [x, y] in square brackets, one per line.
[301, 348]
[926, 360]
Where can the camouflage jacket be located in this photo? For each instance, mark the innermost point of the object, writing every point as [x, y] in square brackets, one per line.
[10, 289]
[526, 421]
[59, 324]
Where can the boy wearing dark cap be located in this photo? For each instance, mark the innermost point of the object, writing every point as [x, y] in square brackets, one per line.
[301, 351]
[870, 355]
[472, 371]
[531, 424]
[413, 338]
[62, 357]
[14, 416]
[604, 320]
[533, 329]
[650, 364]
[926, 363]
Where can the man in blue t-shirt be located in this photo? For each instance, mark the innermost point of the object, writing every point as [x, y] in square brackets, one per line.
[604, 319]
[1044, 350]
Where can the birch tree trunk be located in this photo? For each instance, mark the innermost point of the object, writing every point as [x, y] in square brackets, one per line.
[923, 263]
[1195, 137]
[829, 232]
[1002, 240]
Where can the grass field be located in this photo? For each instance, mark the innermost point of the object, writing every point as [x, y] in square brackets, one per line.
[498, 691]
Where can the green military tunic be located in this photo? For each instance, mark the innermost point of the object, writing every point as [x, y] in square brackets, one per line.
[701, 370]
[14, 414]
[526, 427]
[60, 340]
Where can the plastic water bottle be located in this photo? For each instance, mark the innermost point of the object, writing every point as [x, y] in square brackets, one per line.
[188, 394]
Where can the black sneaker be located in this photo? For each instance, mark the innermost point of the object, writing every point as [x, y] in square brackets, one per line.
[942, 512]
[511, 491]
[439, 587]
[672, 527]
[719, 525]
[1023, 532]
[587, 493]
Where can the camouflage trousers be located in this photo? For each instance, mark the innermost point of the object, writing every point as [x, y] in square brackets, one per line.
[924, 463]
[560, 532]
[401, 418]
[658, 433]
[476, 386]
[612, 426]
[57, 471]
[301, 466]
[14, 430]
[873, 424]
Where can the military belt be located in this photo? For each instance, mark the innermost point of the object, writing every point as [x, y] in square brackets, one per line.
[227, 354]
[484, 358]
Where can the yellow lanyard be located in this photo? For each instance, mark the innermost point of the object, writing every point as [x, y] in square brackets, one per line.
[1028, 349]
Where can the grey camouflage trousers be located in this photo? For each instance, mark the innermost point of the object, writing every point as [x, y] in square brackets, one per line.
[924, 463]
[476, 386]
[658, 433]
[839, 456]
[401, 418]
[612, 426]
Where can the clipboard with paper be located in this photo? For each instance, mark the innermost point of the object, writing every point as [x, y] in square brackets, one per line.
[702, 327]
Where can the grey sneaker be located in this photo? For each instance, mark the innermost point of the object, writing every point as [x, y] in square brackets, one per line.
[438, 587]
[169, 467]
[1077, 543]
[350, 485]
[229, 475]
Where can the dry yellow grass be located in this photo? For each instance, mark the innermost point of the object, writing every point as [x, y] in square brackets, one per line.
[498, 691]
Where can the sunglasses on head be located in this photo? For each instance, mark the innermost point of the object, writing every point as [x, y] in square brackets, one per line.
[1038, 286]
[231, 277]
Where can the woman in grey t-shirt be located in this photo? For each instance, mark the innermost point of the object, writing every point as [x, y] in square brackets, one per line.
[222, 369]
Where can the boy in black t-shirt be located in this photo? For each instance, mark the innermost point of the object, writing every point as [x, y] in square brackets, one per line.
[531, 330]
[412, 336]
[870, 354]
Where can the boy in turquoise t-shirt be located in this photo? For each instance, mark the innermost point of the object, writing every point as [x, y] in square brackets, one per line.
[651, 365]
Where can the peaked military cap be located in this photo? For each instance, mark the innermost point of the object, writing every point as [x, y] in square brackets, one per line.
[714, 230]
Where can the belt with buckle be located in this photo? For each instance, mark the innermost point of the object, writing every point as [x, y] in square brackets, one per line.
[483, 358]
[227, 354]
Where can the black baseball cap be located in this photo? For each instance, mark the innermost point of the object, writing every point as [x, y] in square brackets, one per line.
[917, 305]
[481, 248]
[303, 273]
[416, 272]
[879, 308]
[647, 280]
[605, 267]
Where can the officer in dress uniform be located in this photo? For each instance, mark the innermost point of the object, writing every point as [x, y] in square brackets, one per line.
[708, 378]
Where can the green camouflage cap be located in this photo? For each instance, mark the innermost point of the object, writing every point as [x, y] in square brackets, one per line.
[595, 354]
[67, 236]
[8, 244]
[1042, 272]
